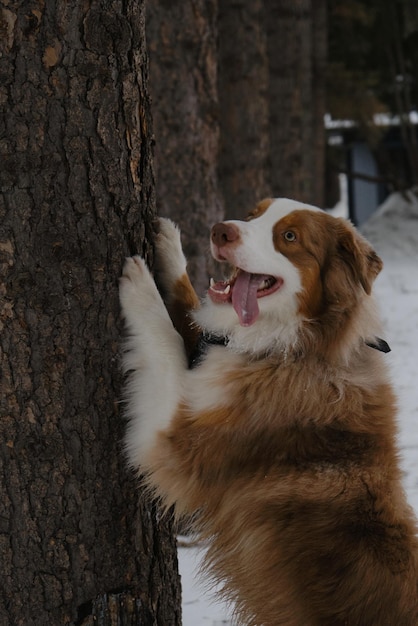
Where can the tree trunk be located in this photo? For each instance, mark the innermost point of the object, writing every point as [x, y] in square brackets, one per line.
[77, 543]
[243, 81]
[296, 32]
[183, 63]
[319, 61]
[271, 85]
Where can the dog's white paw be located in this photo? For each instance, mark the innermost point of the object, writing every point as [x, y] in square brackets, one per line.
[135, 278]
[134, 270]
[137, 291]
[170, 262]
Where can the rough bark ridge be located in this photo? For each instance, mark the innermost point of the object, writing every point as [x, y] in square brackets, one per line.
[183, 64]
[76, 543]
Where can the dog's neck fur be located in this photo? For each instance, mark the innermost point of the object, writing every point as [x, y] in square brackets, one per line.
[272, 335]
[287, 335]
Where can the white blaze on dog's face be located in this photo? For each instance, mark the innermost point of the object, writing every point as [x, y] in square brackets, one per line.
[262, 251]
[295, 265]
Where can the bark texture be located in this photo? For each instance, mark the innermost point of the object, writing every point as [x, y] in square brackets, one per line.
[78, 545]
[183, 69]
[243, 79]
[271, 93]
[296, 40]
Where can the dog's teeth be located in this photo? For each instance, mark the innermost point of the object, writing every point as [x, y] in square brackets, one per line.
[224, 291]
[266, 284]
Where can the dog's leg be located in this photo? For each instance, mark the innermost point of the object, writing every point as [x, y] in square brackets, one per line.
[155, 358]
[174, 283]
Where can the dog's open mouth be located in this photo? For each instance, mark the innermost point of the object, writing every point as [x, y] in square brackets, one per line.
[243, 290]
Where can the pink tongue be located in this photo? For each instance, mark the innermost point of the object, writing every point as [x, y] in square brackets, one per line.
[244, 297]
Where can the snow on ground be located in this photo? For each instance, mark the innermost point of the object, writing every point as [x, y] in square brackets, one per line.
[393, 231]
[200, 607]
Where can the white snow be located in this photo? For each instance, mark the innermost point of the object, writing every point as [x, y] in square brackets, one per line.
[393, 231]
[200, 606]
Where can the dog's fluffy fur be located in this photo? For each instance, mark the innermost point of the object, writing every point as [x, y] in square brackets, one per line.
[282, 442]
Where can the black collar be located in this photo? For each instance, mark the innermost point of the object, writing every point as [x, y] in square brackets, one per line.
[209, 339]
[203, 343]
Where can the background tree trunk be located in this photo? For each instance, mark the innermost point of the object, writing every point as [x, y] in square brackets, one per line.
[183, 69]
[271, 83]
[243, 78]
[296, 35]
[319, 138]
[77, 544]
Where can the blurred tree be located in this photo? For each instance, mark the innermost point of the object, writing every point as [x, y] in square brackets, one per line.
[296, 39]
[77, 543]
[243, 78]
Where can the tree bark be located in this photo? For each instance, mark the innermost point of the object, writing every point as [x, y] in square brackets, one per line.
[183, 70]
[244, 113]
[78, 545]
[296, 35]
[272, 101]
[319, 62]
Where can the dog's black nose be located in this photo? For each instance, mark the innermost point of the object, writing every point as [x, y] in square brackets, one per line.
[224, 233]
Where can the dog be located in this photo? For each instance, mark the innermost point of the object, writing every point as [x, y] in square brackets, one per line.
[266, 412]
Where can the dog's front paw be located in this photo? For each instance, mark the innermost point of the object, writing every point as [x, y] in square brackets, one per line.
[170, 262]
[135, 278]
[134, 271]
[137, 291]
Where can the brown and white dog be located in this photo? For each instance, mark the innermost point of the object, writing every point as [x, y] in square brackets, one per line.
[280, 438]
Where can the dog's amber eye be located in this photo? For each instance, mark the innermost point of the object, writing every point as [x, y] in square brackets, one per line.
[289, 235]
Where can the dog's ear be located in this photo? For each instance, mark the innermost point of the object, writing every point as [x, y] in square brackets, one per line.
[358, 254]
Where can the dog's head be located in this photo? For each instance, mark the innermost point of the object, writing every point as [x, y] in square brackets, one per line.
[291, 262]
